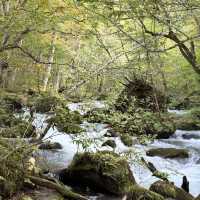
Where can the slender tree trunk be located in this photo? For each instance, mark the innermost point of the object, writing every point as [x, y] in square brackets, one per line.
[50, 61]
[56, 83]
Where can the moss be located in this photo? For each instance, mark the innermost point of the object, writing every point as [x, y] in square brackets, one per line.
[168, 190]
[67, 121]
[127, 140]
[138, 192]
[104, 170]
[165, 189]
[168, 153]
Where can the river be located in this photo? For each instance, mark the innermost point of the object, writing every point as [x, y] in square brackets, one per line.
[176, 168]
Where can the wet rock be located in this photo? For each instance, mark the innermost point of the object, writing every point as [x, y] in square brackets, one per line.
[110, 143]
[111, 133]
[169, 190]
[138, 192]
[198, 161]
[189, 136]
[102, 171]
[168, 153]
[50, 146]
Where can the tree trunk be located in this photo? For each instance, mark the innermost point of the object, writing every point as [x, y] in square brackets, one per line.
[49, 65]
[56, 83]
[63, 190]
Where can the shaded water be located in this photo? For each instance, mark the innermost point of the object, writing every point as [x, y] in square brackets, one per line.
[176, 168]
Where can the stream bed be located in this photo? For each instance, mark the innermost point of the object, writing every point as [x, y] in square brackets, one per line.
[176, 168]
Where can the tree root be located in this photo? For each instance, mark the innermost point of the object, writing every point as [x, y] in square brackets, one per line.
[62, 189]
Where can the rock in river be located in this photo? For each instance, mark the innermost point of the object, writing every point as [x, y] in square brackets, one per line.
[50, 146]
[169, 190]
[103, 171]
[168, 153]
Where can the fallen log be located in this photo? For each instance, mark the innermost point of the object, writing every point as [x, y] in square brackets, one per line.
[154, 171]
[62, 189]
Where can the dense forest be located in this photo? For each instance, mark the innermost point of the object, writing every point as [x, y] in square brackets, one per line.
[100, 99]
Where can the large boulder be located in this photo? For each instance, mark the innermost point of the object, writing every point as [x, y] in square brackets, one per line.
[169, 190]
[168, 153]
[102, 171]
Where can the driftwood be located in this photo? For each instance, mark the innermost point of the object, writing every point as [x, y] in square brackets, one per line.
[62, 189]
[153, 169]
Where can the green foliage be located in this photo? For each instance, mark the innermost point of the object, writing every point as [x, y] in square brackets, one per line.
[188, 121]
[46, 103]
[14, 156]
[21, 130]
[136, 122]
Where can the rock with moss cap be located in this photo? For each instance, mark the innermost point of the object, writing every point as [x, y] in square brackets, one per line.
[103, 171]
[140, 193]
[169, 190]
[168, 153]
[67, 121]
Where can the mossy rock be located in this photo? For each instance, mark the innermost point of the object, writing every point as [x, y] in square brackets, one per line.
[169, 190]
[168, 153]
[140, 193]
[102, 171]
[22, 130]
[50, 146]
[67, 121]
[126, 139]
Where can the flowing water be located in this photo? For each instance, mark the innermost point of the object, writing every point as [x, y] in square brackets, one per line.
[94, 135]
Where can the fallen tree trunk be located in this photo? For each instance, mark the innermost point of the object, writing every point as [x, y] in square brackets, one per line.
[63, 190]
[154, 171]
